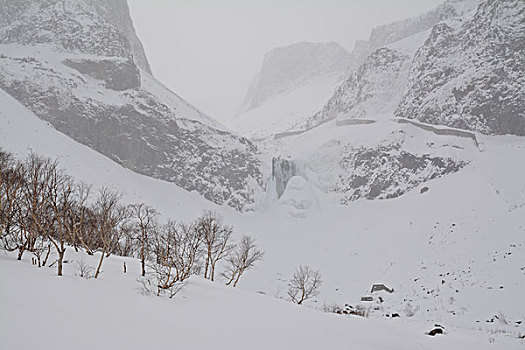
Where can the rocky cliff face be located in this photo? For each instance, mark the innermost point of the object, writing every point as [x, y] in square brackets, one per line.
[77, 70]
[389, 171]
[379, 69]
[294, 82]
[389, 33]
[287, 67]
[395, 31]
[469, 74]
[96, 27]
[466, 73]
[369, 91]
[117, 12]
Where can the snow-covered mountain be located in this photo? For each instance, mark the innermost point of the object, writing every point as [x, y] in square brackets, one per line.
[450, 246]
[395, 31]
[79, 65]
[91, 26]
[276, 103]
[369, 195]
[371, 92]
[294, 81]
[464, 72]
[469, 73]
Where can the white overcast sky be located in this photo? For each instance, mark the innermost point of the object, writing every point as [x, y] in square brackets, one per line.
[207, 51]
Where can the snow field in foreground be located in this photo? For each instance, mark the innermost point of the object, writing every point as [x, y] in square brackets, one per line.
[72, 312]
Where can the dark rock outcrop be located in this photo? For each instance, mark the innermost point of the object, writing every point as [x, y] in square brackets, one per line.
[388, 171]
[118, 75]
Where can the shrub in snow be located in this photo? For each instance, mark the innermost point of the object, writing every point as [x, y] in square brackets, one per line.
[151, 284]
[84, 270]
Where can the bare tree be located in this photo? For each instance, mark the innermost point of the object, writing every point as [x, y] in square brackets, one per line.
[127, 237]
[305, 284]
[11, 182]
[243, 258]
[108, 213]
[216, 237]
[42, 248]
[34, 212]
[146, 222]
[187, 249]
[165, 272]
[78, 217]
[176, 251]
[59, 197]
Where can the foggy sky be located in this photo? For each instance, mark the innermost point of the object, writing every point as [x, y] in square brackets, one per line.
[208, 51]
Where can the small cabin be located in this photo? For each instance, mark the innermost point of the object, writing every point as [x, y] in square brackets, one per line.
[367, 298]
[380, 287]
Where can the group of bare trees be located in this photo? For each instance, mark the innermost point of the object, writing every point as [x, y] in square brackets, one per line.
[42, 209]
[178, 250]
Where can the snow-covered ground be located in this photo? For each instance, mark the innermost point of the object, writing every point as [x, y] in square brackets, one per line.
[454, 255]
[72, 312]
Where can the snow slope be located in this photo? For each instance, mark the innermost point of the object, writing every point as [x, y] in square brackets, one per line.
[109, 312]
[466, 230]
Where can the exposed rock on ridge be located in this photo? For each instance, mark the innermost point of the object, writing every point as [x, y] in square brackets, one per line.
[96, 27]
[469, 74]
[371, 90]
[388, 171]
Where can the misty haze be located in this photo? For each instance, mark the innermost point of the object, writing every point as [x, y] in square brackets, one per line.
[246, 174]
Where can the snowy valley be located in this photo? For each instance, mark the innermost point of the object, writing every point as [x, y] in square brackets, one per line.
[397, 164]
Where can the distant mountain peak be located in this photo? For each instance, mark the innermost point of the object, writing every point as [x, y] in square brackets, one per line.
[287, 67]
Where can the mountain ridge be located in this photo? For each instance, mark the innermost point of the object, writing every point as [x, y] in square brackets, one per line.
[78, 71]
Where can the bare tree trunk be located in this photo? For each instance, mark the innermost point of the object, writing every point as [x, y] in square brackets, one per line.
[21, 250]
[143, 261]
[231, 279]
[47, 255]
[212, 271]
[206, 267]
[100, 263]
[60, 261]
[86, 247]
[237, 279]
